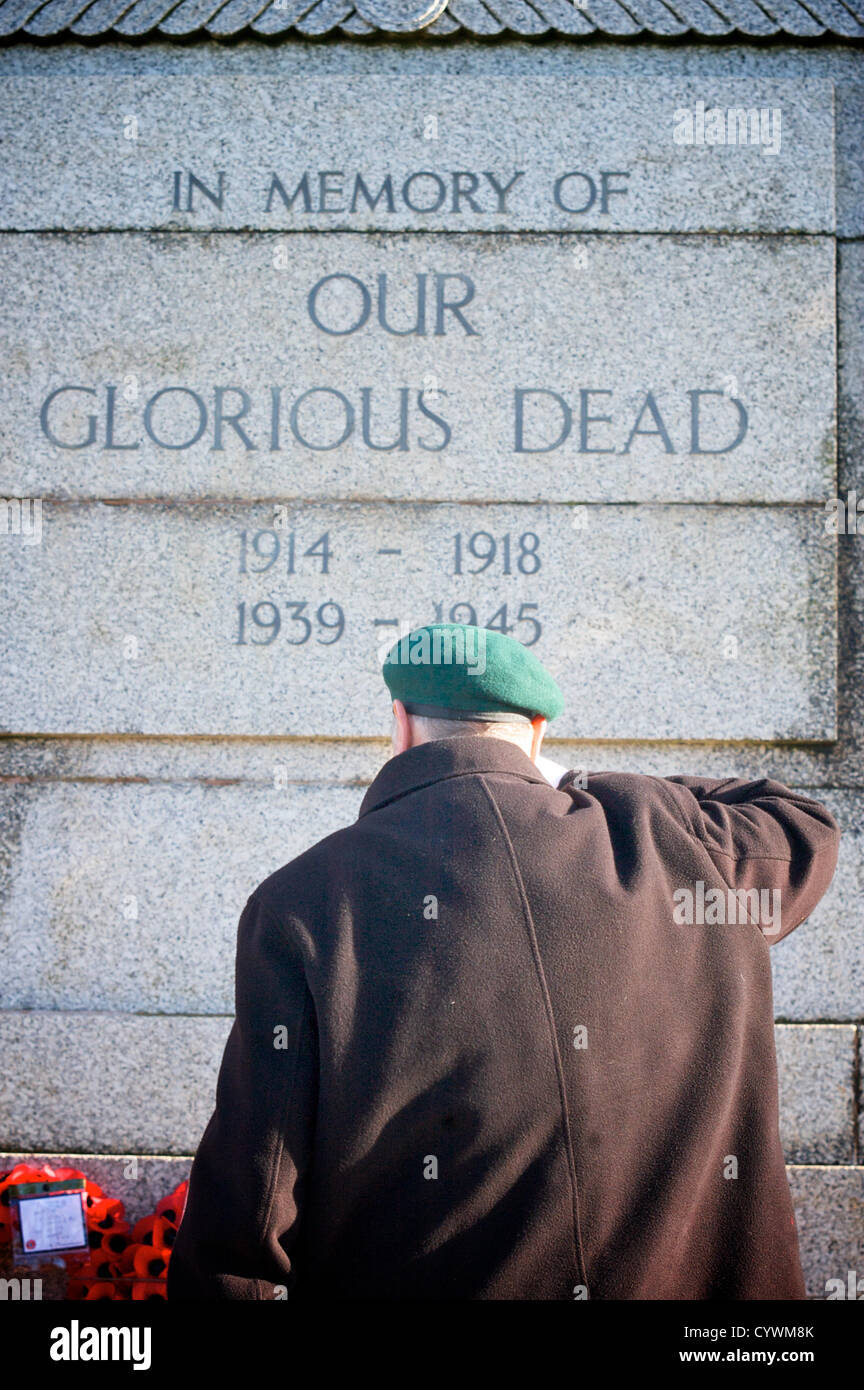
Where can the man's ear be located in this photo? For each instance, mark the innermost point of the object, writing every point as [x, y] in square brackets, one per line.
[402, 733]
[538, 726]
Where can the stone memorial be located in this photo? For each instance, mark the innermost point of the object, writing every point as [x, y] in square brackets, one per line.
[302, 344]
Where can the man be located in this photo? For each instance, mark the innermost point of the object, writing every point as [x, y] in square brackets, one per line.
[502, 1039]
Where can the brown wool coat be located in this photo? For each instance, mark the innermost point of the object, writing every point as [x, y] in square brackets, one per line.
[426, 969]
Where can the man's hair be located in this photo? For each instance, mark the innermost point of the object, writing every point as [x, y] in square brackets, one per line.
[449, 728]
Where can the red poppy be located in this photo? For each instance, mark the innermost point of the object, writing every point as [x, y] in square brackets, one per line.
[144, 1288]
[22, 1172]
[114, 1242]
[142, 1231]
[97, 1273]
[76, 1258]
[98, 1268]
[164, 1232]
[105, 1212]
[173, 1205]
[102, 1290]
[151, 1262]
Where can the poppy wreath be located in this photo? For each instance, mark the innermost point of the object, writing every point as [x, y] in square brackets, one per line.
[121, 1263]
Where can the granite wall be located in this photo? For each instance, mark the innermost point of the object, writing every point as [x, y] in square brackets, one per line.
[304, 342]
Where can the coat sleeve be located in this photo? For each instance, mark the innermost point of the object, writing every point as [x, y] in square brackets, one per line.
[761, 836]
[245, 1195]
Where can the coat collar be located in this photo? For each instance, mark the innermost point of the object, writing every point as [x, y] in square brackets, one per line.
[446, 757]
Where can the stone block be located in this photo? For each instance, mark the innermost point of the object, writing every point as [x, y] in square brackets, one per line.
[659, 623]
[829, 1213]
[575, 369]
[850, 304]
[819, 969]
[849, 99]
[127, 896]
[386, 151]
[88, 1081]
[107, 1083]
[816, 1072]
[93, 918]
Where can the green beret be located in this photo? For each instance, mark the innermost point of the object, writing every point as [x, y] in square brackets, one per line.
[455, 671]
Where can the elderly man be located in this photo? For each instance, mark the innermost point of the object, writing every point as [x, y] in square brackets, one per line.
[510, 1034]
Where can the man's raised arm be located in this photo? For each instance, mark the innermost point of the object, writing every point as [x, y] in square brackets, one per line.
[762, 835]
